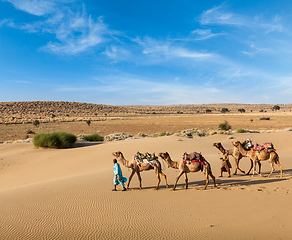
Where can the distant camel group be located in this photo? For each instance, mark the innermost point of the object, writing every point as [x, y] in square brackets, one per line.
[186, 164]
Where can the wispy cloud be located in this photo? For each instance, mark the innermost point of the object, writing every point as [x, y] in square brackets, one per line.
[218, 15]
[35, 7]
[201, 34]
[169, 50]
[75, 30]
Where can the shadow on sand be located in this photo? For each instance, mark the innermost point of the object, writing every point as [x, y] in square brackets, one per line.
[83, 143]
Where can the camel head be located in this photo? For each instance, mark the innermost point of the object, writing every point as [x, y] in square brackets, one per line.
[217, 145]
[117, 154]
[236, 143]
[164, 155]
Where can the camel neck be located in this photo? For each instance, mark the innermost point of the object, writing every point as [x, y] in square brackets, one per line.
[241, 150]
[171, 163]
[221, 148]
[124, 161]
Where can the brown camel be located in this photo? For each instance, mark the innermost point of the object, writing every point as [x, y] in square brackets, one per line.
[143, 167]
[236, 155]
[186, 168]
[263, 155]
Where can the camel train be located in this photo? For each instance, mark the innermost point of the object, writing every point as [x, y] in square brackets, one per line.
[195, 162]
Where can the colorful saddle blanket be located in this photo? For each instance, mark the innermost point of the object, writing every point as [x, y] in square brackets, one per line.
[265, 146]
[193, 157]
[145, 158]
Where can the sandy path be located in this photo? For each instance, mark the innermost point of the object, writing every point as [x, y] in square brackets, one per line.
[62, 194]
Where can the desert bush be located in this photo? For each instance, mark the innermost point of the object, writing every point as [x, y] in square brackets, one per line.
[224, 110]
[276, 107]
[224, 126]
[36, 123]
[240, 130]
[88, 122]
[241, 110]
[93, 137]
[161, 134]
[54, 140]
[208, 110]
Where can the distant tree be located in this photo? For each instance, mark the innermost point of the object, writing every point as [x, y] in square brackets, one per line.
[224, 126]
[208, 110]
[224, 110]
[241, 110]
[36, 123]
[276, 107]
[261, 110]
[88, 122]
[251, 120]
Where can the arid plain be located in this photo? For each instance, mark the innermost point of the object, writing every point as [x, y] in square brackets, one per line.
[66, 193]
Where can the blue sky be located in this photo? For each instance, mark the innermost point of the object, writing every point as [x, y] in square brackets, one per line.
[129, 52]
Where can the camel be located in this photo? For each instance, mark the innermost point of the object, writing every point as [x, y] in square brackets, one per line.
[186, 168]
[143, 167]
[236, 155]
[263, 155]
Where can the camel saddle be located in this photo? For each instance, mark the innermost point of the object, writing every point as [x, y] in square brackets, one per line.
[267, 146]
[145, 158]
[193, 157]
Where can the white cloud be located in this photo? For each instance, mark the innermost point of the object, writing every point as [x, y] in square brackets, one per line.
[169, 50]
[75, 30]
[219, 16]
[35, 7]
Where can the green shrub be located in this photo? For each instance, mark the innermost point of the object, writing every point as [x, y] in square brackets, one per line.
[224, 126]
[240, 130]
[54, 140]
[161, 134]
[36, 123]
[224, 110]
[93, 137]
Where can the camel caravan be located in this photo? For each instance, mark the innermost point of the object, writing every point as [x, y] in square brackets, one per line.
[195, 162]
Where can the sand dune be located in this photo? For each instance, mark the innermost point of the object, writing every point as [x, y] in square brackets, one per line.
[63, 194]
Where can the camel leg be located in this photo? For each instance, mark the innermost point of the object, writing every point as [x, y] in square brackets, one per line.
[251, 165]
[140, 179]
[281, 169]
[213, 178]
[237, 166]
[207, 181]
[130, 178]
[158, 178]
[176, 180]
[164, 176]
[277, 160]
[260, 166]
[273, 169]
[186, 180]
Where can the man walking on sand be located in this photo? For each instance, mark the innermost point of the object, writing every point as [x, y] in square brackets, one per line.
[118, 178]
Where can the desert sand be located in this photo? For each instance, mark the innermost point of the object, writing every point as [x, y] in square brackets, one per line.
[66, 193]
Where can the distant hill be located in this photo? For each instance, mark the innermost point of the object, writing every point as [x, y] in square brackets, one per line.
[47, 111]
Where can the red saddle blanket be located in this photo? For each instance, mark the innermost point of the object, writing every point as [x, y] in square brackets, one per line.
[193, 157]
[266, 146]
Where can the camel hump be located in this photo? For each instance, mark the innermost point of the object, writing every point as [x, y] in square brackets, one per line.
[193, 157]
[145, 158]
